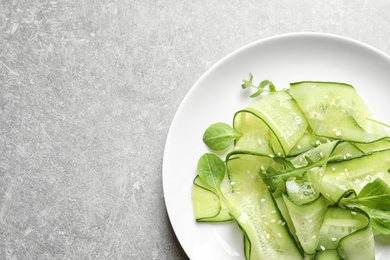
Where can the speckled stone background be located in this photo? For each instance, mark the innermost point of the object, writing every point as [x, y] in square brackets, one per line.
[88, 89]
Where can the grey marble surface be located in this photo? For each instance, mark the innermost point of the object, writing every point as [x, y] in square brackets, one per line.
[88, 90]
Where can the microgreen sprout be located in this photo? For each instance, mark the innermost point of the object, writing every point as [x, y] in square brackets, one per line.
[264, 86]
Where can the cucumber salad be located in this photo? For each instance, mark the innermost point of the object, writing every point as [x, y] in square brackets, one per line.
[303, 171]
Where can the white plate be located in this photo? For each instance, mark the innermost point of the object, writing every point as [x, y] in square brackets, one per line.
[218, 94]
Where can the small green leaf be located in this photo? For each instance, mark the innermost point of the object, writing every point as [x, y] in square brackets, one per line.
[286, 163]
[380, 219]
[257, 93]
[211, 170]
[264, 83]
[375, 195]
[247, 83]
[219, 136]
[272, 87]
[374, 199]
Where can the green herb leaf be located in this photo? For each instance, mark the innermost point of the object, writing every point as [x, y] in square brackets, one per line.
[308, 160]
[264, 86]
[374, 199]
[219, 136]
[286, 163]
[211, 170]
[380, 219]
[374, 195]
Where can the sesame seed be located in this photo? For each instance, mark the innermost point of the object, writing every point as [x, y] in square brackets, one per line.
[334, 239]
[262, 200]
[299, 147]
[232, 183]
[338, 133]
[243, 218]
[271, 155]
[262, 167]
[353, 213]
[279, 235]
[318, 142]
[333, 169]
[322, 248]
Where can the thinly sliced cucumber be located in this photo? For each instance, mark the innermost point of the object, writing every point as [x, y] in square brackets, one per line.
[382, 144]
[335, 110]
[330, 254]
[338, 224]
[278, 197]
[347, 150]
[256, 134]
[315, 155]
[304, 144]
[256, 213]
[354, 174]
[360, 245]
[207, 205]
[300, 191]
[310, 146]
[281, 114]
[307, 220]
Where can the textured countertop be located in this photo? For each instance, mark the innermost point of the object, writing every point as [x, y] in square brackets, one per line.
[88, 90]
